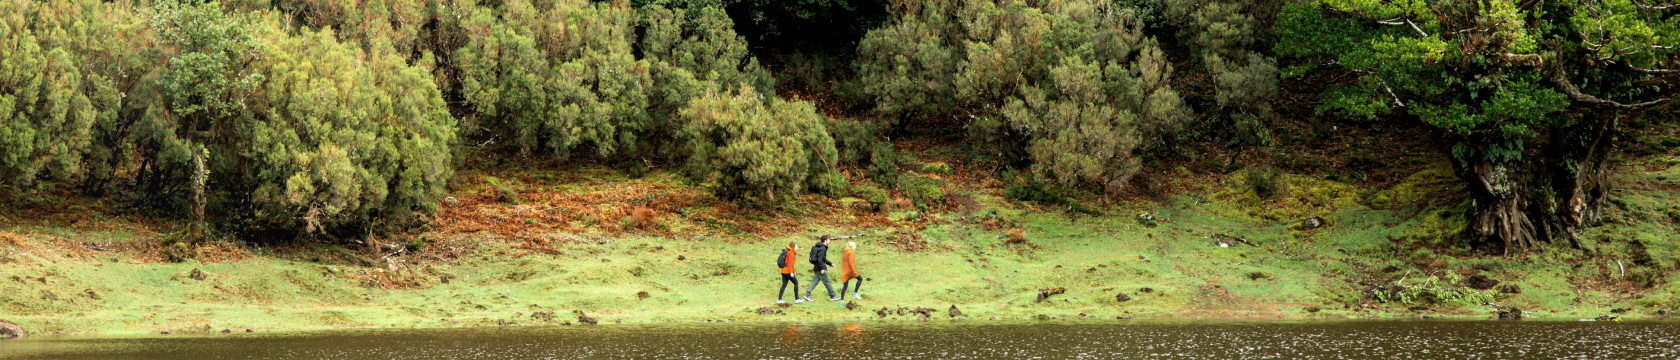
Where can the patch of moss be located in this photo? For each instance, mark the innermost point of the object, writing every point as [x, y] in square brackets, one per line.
[923, 191]
[936, 168]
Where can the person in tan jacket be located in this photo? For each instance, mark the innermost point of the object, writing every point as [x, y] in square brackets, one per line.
[848, 271]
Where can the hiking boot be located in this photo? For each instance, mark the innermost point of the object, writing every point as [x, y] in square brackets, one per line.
[808, 298]
[796, 301]
[836, 298]
[779, 301]
[857, 296]
[842, 303]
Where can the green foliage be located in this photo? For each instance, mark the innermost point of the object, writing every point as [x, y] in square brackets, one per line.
[1027, 190]
[1033, 79]
[556, 79]
[1264, 182]
[330, 152]
[1231, 37]
[1411, 65]
[755, 149]
[46, 118]
[923, 191]
[857, 143]
[209, 77]
[832, 184]
[936, 168]
[874, 195]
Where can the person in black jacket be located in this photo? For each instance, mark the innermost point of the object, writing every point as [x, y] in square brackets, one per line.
[819, 269]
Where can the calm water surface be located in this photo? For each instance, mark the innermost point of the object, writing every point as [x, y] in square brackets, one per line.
[1422, 339]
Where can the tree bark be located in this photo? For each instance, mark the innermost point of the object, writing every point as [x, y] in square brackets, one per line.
[199, 175]
[1540, 200]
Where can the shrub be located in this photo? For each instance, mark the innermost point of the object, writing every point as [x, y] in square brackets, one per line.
[45, 117]
[331, 157]
[506, 195]
[832, 184]
[754, 148]
[924, 192]
[1033, 80]
[1264, 182]
[1027, 190]
[883, 164]
[876, 197]
[556, 78]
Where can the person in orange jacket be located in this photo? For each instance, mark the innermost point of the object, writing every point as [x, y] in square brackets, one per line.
[786, 261]
[848, 271]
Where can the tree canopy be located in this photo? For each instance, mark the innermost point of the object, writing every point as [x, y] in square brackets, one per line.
[335, 118]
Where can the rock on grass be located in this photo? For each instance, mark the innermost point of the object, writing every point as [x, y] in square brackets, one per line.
[10, 330]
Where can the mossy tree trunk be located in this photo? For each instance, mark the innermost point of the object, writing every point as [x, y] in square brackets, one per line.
[199, 176]
[1542, 200]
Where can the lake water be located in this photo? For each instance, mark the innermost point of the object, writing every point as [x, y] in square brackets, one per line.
[1417, 339]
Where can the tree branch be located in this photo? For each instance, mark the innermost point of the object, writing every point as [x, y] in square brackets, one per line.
[1562, 81]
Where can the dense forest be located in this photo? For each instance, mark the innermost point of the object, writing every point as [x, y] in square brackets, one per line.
[280, 119]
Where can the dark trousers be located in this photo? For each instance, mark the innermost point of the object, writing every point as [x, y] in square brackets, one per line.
[815, 277]
[855, 289]
[786, 278]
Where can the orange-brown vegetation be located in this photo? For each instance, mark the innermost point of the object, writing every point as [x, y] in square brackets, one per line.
[1016, 236]
[644, 218]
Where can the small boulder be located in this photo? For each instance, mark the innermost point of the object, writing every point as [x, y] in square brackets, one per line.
[1312, 223]
[587, 320]
[955, 312]
[10, 330]
[1481, 282]
[766, 311]
[1511, 314]
[1312, 309]
[851, 305]
[883, 312]
[1122, 297]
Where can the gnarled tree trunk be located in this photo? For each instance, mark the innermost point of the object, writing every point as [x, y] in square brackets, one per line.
[1539, 200]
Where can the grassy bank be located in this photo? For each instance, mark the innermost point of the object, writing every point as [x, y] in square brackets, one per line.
[572, 243]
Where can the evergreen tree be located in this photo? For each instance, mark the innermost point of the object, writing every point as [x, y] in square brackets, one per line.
[1072, 87]
[207, 83]
[755, 149]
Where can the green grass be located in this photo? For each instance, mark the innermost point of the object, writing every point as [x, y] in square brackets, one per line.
[723, 276]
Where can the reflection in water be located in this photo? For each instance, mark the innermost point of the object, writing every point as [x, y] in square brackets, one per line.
[1386, 340]
[793, 335]
[852, 339]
